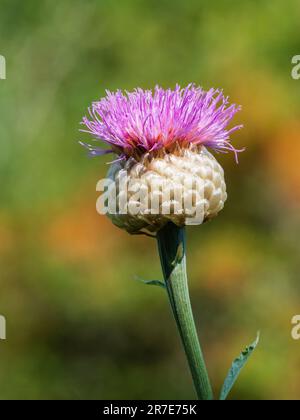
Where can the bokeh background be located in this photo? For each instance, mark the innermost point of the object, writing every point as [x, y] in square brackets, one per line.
[79, 325]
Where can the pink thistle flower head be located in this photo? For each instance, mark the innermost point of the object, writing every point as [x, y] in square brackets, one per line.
[143, 121]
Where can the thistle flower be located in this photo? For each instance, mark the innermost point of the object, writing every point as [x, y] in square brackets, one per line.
[161, 139]
[161, 136]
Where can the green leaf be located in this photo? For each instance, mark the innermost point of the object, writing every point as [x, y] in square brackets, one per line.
[236, 368]
[179, 255]
[151, 282]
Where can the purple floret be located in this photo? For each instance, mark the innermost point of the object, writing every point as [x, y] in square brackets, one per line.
[144, 120]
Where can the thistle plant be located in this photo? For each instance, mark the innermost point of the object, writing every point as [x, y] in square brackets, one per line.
[161, 140]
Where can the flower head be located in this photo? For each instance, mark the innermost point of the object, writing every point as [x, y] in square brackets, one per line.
[160, 138]
[143, 121]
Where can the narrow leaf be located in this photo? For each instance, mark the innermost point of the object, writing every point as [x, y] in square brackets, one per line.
[236, 368]
[151, 282]
[179, 255]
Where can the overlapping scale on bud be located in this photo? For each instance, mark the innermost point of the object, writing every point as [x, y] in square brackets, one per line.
[185, 186]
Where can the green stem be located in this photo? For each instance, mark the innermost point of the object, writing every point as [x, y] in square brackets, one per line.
[171, 245]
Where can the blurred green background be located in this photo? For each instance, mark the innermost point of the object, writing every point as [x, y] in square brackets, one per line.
[78, 324]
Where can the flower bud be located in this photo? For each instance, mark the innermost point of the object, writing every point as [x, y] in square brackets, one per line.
[185, 186]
